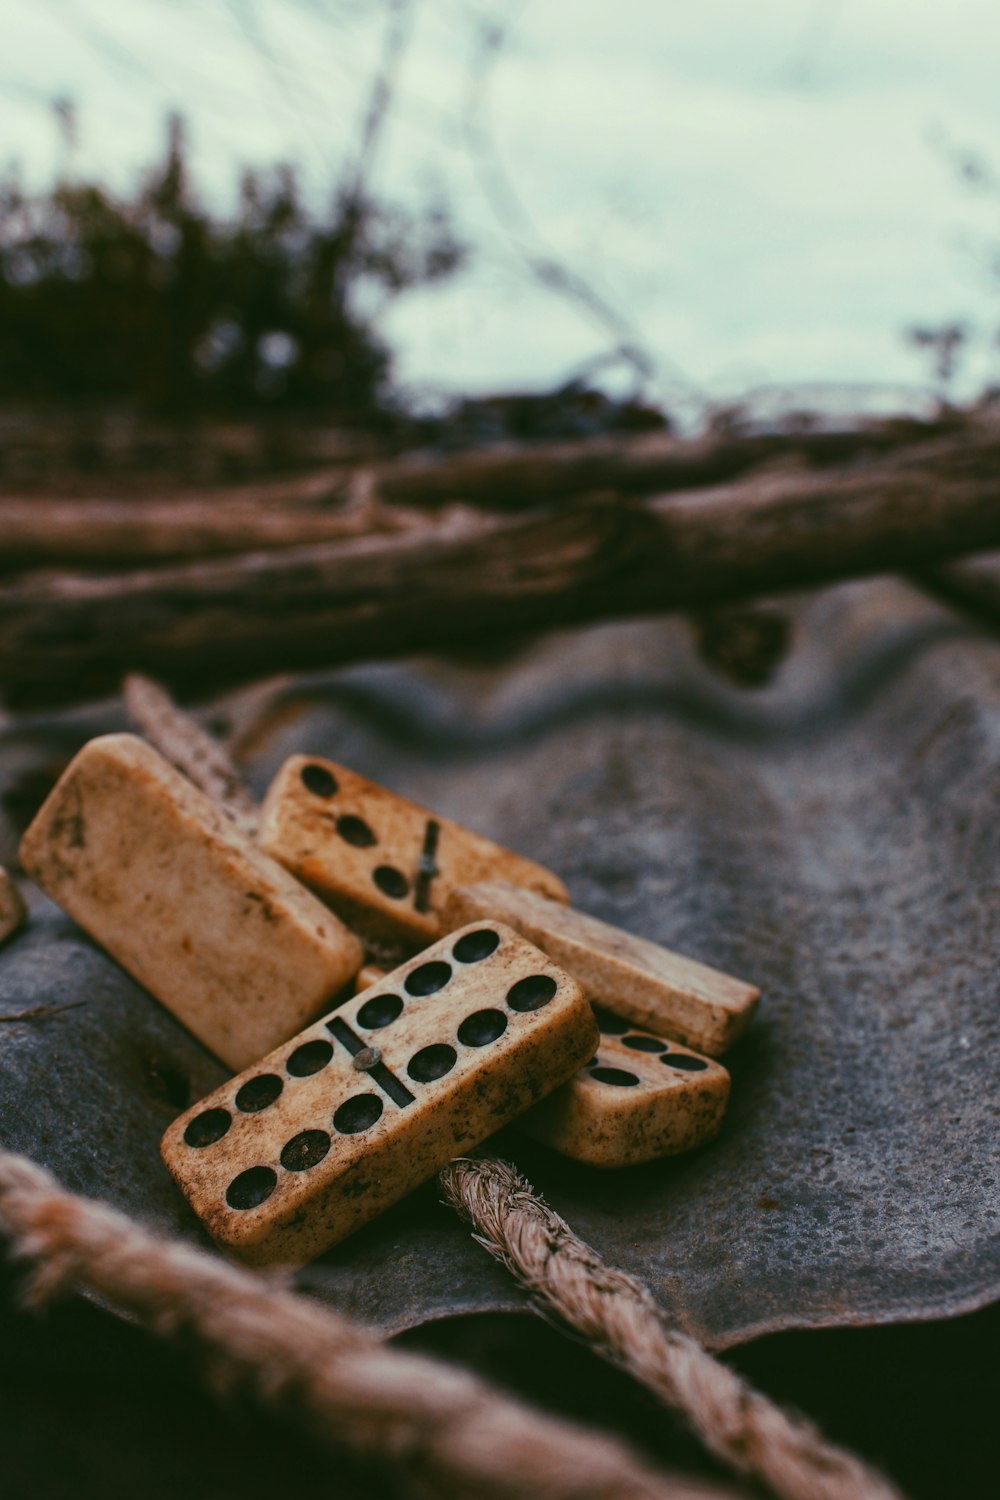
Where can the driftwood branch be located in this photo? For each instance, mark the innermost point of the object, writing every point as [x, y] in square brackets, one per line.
[333, 504]
[323, 504]
[469, 577]
[515, 477]
[108, 533]
[971, 587]
[199, 755]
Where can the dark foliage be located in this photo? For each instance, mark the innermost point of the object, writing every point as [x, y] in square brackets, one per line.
[575, 410]
[153, 300]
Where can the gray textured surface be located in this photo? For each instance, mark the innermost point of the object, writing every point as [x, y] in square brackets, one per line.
[832, 838]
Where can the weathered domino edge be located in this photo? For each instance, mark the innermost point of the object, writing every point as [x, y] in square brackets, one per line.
[648, 985]
[638, 1099]
[384, 863]
[221, 935]
[327, 1131]
[12, 908]
[368, 975]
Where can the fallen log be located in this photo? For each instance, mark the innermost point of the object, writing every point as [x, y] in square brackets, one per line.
[109, 533]
[508, 478]
[972, 587]
[470, 577]
[334, 503]
[518, 478]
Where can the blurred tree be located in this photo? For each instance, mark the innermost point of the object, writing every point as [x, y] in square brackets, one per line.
[948, 344]
[153, 300]
[944, 343]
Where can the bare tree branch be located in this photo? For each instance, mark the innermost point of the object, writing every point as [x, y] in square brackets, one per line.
[468, 580]
[547, 269]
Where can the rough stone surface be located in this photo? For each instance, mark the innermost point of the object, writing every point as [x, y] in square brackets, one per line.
[831, 838]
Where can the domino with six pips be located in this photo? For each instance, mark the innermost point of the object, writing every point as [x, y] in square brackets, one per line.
[522, 1009]
[326, 1132]
[639, 1097]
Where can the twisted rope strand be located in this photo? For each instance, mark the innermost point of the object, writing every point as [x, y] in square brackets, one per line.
[451, 1434]
[618, 1317]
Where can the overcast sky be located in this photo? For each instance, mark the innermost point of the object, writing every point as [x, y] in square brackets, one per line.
[755, 188]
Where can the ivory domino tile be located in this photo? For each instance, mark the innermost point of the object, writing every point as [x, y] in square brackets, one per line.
[649, 985]
[384, 863]
[331, 1128]
[222, 935]
[639, 1098]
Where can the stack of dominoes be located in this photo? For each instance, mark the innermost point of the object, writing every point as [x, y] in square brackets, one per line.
[512, 1006]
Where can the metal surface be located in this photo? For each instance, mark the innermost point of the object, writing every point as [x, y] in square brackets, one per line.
[832, 837]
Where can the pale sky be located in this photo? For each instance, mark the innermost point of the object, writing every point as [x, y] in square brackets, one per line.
[754, 188]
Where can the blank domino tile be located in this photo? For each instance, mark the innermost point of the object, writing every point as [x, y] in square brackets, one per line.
[225, 938]
[639, 1098]
[383, 862]
[329, 1130]
[12, 912]
[649, 985]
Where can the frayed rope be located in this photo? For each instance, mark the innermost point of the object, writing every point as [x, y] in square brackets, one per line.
[449, 1433]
